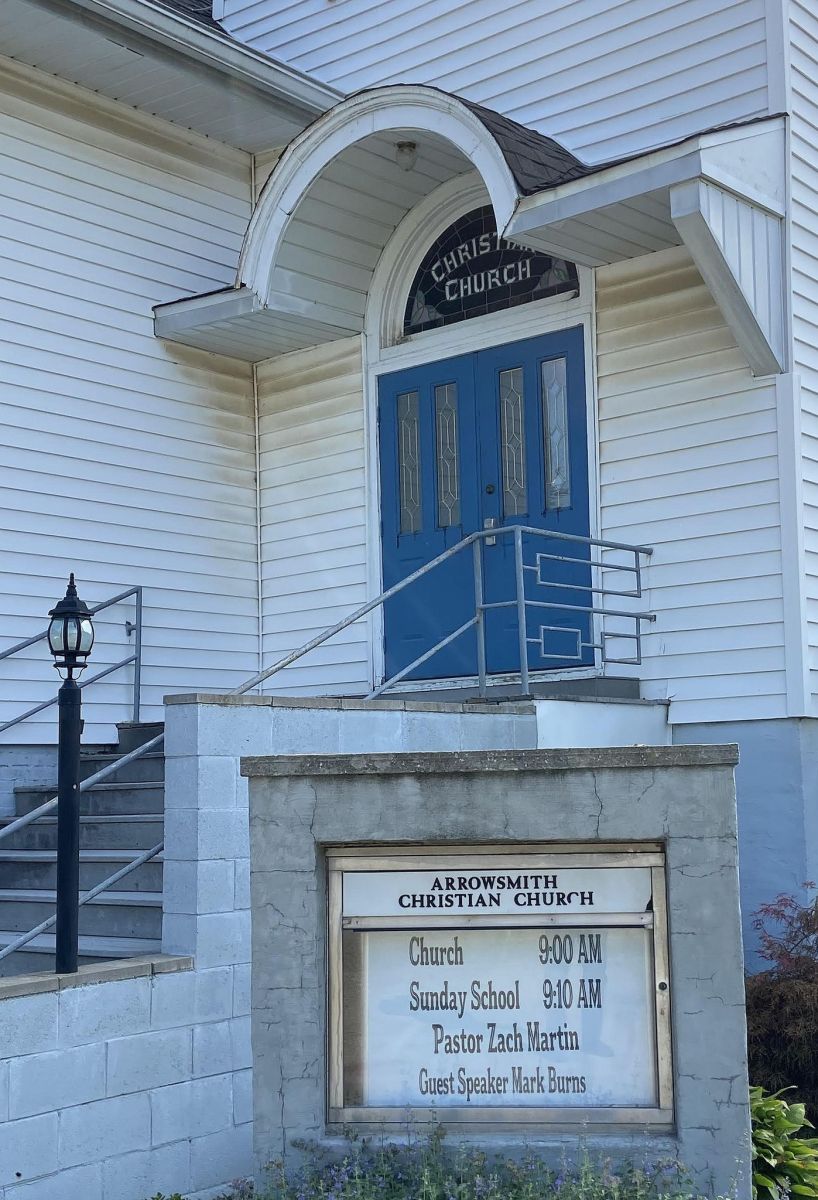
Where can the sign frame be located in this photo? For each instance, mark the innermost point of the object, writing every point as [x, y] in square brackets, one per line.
[539, 856]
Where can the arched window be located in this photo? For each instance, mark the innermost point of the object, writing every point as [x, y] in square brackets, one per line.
[472, 270]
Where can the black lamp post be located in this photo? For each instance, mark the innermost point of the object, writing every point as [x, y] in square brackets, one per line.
[70, 638]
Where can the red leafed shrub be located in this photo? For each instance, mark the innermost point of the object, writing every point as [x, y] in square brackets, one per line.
[782, 1002]
[792, 945]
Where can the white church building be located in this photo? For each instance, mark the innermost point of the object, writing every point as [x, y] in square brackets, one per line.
[303, 299]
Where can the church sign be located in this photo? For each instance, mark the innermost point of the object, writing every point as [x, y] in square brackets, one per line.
[528, 988]
[472, 270]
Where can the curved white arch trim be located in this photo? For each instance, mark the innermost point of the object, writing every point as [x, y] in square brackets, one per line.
[397, 266]
[398, 107]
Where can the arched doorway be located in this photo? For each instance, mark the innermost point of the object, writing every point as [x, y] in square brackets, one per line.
[489, 439]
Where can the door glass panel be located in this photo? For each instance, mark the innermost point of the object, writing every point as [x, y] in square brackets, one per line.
[512, 450]
[448, 460]
[555, 429]
[409, 462]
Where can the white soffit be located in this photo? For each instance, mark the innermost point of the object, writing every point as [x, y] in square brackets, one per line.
[160, 62]
[720, 194]
[236, 323]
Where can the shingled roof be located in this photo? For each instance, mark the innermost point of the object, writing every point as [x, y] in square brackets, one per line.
[537, 162]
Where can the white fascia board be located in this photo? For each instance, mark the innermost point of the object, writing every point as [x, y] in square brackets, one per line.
[713, 156]
[180, 316]
[611, 186]
[212, 49]
[195, 314]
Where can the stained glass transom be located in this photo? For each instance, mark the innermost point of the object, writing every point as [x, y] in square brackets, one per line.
[448, 458]
[411, 511]
[512, 435]
[555, 428]
[472, 270]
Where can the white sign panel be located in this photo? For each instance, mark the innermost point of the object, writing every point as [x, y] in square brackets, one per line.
[465, 892]
[507, 1017]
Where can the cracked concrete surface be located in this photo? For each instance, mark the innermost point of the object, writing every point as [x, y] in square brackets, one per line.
[683, 797]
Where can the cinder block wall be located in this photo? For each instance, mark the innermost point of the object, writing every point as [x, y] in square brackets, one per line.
[119, 1088]
[206, 909]
[133, 1078]
[24, 766]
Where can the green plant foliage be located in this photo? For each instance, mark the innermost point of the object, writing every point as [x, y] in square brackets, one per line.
[783, 1163]
[425, 1169]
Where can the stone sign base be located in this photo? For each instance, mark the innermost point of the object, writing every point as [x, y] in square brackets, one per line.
[449, 933]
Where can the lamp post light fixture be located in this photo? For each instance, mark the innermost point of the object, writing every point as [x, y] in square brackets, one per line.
[406, 155]
[70, 638]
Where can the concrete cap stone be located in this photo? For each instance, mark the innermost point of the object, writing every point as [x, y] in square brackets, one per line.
[100, 972]
[355, 703]
[470, 762]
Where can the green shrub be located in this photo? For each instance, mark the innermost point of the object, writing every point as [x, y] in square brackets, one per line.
[782, 1032]
[783, 1163]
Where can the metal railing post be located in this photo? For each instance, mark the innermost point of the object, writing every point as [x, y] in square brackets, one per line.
[68, 827]
[134, 626]
[480, 616]
[519, 574]
[137, 649]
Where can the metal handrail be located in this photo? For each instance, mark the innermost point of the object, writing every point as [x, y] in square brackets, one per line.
[25, 938]
[134, 627]
[477, 541]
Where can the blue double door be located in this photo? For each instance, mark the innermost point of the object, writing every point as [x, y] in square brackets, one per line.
[486, 440]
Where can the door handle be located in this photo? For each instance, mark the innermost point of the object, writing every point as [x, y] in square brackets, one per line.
[490, 523]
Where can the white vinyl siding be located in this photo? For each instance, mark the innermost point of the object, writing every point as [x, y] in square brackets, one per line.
[605, 79]
[125, 459]
[804, 157]
[263, 166]
[688, 465]
[313, 516]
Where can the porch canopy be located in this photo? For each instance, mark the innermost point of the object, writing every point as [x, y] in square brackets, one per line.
[340, 190]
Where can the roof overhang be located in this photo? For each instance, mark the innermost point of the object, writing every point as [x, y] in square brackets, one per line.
[156, 59]
[326, 213]
[721, 194]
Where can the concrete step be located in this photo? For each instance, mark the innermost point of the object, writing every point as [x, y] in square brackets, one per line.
[593, 721]
[103, 799]
[148, 768]
[593, 687]
[133, 734]
[113, 914]
[39, 954]
[135, 831]
[38, 869]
